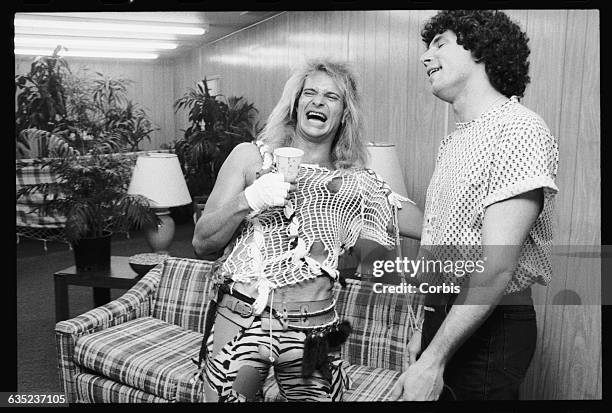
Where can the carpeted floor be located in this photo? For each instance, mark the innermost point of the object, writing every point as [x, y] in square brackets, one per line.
[36, 356]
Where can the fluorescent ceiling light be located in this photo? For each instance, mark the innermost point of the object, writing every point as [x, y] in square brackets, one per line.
[88, 53]
[140, 27]
[46, 31]
[76, 42]
[179, 17]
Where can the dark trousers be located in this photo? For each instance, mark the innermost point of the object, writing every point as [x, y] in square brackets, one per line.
[491, 364]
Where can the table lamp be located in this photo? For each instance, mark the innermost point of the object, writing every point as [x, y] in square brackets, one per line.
[384, 161]
[158, 177]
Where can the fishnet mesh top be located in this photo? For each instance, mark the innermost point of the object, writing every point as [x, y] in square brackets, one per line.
[328, 212]
[507, 151]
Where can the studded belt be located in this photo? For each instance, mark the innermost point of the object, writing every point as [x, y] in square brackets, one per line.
[296, 314]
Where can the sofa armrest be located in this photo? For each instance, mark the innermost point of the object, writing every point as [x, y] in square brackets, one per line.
[135, 303]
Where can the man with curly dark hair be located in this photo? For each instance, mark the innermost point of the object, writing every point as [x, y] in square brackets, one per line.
[490, 199]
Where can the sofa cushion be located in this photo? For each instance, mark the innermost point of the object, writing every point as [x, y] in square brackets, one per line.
[147, 354]
[367, 384]
[91, 388]
[382, 325]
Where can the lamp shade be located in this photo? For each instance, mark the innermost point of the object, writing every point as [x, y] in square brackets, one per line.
[384, 161]
[158, 177]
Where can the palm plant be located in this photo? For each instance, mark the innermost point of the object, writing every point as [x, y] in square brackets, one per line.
[215, 128]
[89, 113]
[110, 93]
[41, 98]
[131, 126]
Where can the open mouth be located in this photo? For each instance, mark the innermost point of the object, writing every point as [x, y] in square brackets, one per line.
[312, 115]
[432, 70]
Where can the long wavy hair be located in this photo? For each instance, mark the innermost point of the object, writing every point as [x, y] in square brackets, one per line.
[348, 148]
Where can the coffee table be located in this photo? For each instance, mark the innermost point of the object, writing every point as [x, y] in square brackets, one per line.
[120, 275]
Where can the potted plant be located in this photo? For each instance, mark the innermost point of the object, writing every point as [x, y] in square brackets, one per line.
[88, 112]
[131, 126]
[41, 101]
[99, 113]
[70, 113]
[91, 192]
[215, 128]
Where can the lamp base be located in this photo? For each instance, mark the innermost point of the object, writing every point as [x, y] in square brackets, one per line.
[159, 238]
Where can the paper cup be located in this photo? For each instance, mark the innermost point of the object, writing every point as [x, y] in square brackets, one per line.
[288, 162]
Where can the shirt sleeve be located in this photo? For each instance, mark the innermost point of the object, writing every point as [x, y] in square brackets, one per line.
[525, 158]
[377, 210]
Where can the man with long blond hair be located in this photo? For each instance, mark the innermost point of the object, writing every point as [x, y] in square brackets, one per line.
[282, 239]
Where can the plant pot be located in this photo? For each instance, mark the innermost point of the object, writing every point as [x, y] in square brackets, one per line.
[92, 254]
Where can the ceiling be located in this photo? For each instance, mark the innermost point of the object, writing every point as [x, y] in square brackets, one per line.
[61, 31]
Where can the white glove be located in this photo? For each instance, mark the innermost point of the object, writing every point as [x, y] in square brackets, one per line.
[267, 191]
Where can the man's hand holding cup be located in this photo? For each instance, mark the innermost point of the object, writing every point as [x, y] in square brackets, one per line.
[267, 191]
[272, 189]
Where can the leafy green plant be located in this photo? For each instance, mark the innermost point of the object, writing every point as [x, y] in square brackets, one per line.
[110, 93]
[215, 128]
[88, 112]
[131, 126]
[91, 192]
[41, 97]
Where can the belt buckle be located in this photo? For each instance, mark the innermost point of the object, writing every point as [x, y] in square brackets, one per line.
[244, 309]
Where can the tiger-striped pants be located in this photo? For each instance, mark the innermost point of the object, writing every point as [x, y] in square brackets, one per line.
[251, 346]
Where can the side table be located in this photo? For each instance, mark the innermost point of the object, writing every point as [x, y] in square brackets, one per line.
[120, 275]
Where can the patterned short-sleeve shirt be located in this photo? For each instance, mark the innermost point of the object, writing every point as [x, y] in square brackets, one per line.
[507, 151]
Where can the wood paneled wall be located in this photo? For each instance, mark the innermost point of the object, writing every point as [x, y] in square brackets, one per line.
[152, 88]
[384, 47]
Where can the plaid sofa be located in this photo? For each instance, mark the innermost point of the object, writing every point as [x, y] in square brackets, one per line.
[138, 348]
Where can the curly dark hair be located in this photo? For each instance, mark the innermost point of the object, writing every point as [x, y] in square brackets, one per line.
[493, 39]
